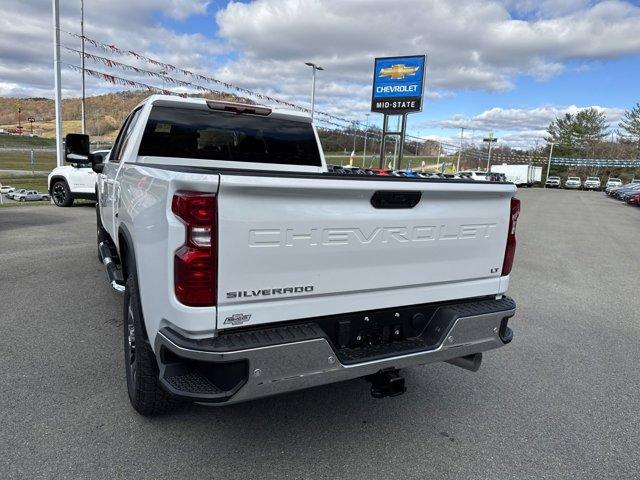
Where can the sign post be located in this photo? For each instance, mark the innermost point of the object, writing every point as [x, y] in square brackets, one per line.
[398, 84]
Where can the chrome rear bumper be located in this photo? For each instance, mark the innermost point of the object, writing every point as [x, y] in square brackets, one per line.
[261, 371]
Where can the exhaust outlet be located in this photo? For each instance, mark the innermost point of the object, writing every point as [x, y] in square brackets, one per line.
[469, 362]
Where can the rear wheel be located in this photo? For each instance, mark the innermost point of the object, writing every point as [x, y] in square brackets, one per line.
[146, 394]
[61, 195]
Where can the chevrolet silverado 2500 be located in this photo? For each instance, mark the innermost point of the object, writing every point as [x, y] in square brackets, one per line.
[249, 270]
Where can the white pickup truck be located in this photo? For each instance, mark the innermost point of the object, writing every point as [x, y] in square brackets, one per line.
[249, 270]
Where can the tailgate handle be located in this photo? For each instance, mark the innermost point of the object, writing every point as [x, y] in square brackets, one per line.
[395, 199]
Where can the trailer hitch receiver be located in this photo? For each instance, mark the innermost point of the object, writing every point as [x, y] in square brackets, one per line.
[386, 383]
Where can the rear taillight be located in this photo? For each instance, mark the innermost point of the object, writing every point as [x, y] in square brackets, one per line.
[195, 263]
[510, 250]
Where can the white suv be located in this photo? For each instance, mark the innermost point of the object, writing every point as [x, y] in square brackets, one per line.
[573, 183]
[592, 183]
[68, 182]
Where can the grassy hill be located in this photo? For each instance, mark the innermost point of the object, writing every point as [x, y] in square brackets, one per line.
[104, 116]
[105, 113]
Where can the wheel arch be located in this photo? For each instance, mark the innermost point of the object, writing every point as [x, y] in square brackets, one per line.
[54, 179]
[127, 254]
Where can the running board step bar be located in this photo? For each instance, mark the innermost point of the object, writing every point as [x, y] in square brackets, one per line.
[113, 272]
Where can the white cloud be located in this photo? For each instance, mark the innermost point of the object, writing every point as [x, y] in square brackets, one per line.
[518, 126]
[26, 65]
[523, 119]
[471, 44]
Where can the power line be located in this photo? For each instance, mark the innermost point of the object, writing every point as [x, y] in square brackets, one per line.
[114, 49]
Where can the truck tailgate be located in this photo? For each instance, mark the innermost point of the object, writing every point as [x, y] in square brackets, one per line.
[300, 247]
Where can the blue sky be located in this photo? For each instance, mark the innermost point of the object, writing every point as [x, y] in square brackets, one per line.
[508, 66]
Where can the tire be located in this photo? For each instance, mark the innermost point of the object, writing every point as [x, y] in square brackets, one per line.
[146, 394]
[61, 195]
[23, 199]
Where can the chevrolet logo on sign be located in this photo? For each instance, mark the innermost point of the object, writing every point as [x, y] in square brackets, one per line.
[397, 84]
[398, 71]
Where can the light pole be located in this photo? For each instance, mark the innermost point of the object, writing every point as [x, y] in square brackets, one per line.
[314, 67]
[57, 80]
[82, 104]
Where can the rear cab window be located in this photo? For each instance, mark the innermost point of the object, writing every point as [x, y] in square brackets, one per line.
[228, 139]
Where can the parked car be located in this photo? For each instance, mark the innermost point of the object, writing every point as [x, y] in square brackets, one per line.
[613, 183]
[620, 192]
[15, 192]
[592, 183]
[573, 183]
[624, 195]
[6, 189]
[553, 182]
[31, 196]
[634, 199]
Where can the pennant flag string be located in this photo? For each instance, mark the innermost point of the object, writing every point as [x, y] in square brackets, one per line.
[112, 63]
[166, 66]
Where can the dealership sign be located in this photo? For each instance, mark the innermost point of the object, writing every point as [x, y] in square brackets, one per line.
[398, 84]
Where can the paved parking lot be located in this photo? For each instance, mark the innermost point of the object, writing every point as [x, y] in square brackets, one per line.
[562, 401]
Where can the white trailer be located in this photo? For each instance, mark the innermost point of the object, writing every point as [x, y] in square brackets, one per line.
[537, 174]
[518, 174]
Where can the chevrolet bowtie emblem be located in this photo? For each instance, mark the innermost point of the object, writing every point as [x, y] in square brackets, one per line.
[398, 71]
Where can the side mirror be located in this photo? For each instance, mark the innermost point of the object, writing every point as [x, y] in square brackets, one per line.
[76, 148]
[97, 162]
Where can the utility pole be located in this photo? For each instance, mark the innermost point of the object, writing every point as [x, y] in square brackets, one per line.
[314, 67]
[491, 140]
[460, 151]
[548, 165]
[364, 151]
[535, 150]
[82, 104]
[163, 73]
[353, 124]
[57, 80]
